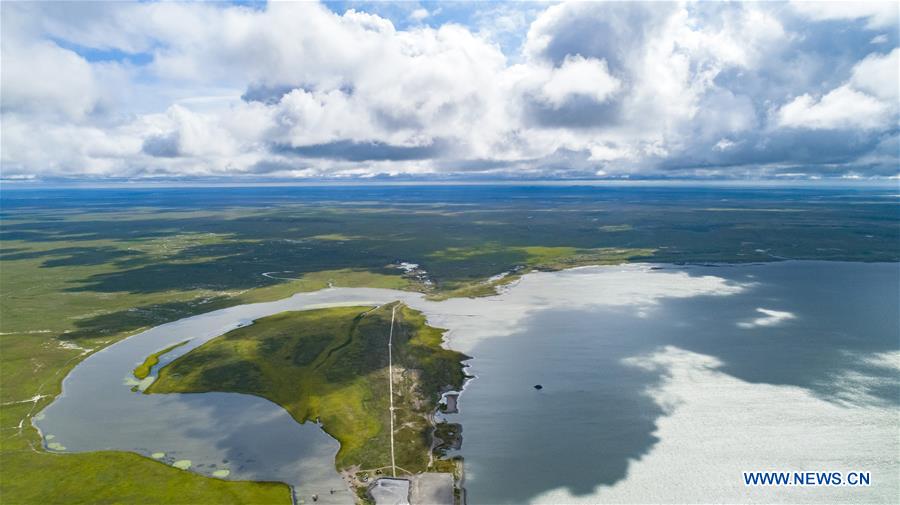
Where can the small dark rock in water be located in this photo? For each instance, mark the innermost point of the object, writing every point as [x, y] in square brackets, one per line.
[538, 386]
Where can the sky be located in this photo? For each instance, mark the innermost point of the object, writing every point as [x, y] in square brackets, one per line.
[449, 91]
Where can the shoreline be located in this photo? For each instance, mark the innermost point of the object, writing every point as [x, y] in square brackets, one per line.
[626, 265]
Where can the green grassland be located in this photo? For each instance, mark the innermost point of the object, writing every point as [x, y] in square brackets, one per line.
[123, 478]
[82, 270]
[331, 365]
[47, 328]
[143, 370]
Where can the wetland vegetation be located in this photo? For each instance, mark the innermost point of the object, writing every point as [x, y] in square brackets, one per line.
[83, 268]
[144, 369]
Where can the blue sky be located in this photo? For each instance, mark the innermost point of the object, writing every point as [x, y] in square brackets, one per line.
[473, 15]
[773, 91]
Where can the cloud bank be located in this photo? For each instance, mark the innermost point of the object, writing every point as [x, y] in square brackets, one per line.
[581, 90]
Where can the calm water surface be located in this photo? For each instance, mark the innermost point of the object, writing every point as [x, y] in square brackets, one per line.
[591, 420]
[572, 332]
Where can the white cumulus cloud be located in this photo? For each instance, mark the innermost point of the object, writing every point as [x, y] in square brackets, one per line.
[294, 89]
[580, 76]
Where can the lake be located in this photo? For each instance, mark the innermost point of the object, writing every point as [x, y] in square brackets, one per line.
[660, 382]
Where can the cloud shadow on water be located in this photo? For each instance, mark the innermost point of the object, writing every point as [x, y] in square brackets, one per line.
[844, 315]
[586, 425]
[594, 417]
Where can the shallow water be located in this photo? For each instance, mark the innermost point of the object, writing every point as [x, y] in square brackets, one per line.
[627, 357]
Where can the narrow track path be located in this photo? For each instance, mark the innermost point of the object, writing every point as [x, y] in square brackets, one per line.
[391, 387]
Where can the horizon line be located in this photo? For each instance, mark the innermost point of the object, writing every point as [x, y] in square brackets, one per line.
[20, 184]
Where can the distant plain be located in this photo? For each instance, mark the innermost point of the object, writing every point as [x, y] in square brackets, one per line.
[80, 269]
